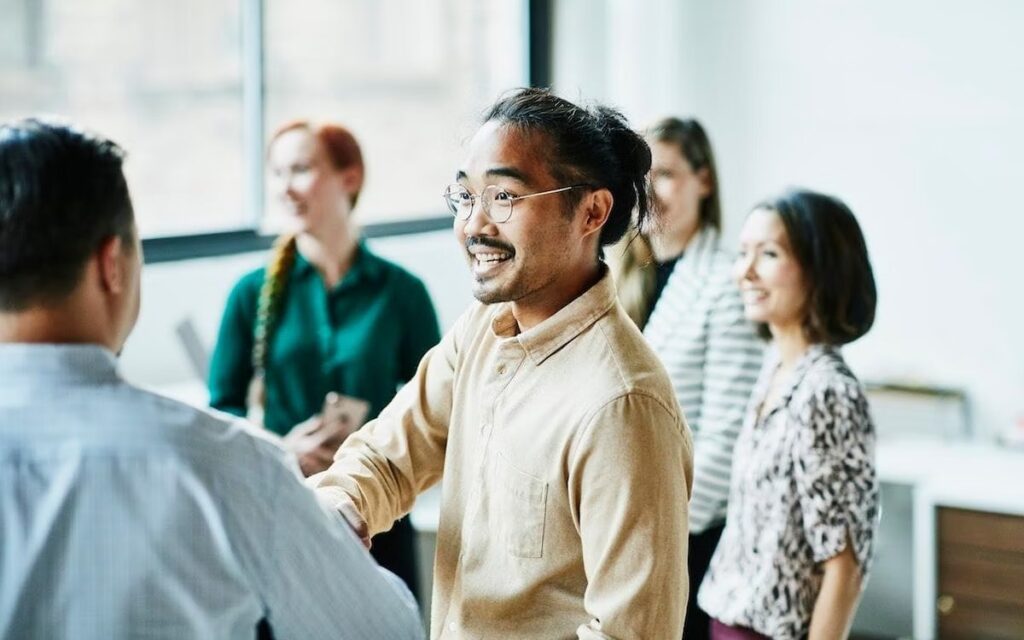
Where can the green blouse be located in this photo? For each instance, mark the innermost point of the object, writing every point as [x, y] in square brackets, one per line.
[363, 338]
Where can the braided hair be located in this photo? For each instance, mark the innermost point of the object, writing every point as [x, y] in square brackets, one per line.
[268, 311]
[343, 152]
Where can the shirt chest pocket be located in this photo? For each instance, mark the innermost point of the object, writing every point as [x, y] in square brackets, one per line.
[521, 510]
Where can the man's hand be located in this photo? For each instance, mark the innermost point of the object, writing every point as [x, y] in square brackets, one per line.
[354, 520]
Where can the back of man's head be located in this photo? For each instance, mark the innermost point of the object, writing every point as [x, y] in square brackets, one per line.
[62, 192]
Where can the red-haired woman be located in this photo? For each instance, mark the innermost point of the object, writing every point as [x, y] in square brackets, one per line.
[326, 318]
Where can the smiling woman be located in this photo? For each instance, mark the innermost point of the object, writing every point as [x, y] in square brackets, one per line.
[808, 252]
[803, 504]
[320, 338]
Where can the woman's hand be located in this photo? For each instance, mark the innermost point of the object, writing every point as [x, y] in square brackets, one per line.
[313, 445]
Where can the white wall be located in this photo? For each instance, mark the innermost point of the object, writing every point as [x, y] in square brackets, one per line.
[910, 111]
[198, 288]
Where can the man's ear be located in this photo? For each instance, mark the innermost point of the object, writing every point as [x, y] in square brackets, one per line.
[597, 207]
[111, 266]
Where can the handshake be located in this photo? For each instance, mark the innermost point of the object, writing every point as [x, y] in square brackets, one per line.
[315, 441]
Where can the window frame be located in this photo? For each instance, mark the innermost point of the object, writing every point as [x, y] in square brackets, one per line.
[173, 248]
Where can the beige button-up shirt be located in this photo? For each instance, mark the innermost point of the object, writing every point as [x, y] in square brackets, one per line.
[567, 467]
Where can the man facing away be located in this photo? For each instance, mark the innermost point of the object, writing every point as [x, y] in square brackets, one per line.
[566, 460]
[122, 513]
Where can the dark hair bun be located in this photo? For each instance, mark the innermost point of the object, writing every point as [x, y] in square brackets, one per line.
[593, 146]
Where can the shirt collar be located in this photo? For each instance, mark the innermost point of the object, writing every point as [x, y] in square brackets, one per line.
[86, 363]
[552, 334]
[814, 353]
[366, 265]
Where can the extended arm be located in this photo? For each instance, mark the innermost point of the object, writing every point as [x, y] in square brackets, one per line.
[383, 467]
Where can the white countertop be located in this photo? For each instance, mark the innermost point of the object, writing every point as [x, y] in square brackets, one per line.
[966, 474]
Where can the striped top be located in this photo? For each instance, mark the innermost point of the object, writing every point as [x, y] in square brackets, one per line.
[124, 514]
[713, 355]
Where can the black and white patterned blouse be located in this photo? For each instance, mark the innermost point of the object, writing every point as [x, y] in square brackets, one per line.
[803, 478]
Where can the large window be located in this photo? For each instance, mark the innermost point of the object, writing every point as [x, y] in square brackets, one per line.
[163, 79]
[409, 78]
[192, 88]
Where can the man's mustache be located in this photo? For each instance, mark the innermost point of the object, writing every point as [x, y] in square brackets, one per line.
[472, 241]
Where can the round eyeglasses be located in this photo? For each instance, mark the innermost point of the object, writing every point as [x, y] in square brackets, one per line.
[496, 202]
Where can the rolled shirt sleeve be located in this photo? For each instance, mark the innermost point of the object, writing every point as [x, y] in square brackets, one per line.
[834, 472]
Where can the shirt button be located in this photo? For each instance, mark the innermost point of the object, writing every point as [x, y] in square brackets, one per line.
[451, 626]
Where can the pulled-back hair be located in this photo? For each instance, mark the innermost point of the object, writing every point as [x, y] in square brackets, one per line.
[341, 147]
[343, 152]
[62, 193]
[593, 146]
[833, 257]
[693, 143]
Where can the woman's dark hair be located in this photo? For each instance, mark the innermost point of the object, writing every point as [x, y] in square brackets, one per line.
[592, 146]
[62, 193]
[692, 141]
[829, 246]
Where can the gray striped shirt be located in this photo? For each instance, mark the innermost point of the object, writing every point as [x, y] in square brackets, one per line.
[713, 355]
[125, 514]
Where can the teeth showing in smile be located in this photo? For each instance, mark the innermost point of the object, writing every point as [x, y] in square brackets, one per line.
[754, 295]
[491, 258]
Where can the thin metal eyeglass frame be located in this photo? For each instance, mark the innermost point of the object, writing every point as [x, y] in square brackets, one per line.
[511, 201]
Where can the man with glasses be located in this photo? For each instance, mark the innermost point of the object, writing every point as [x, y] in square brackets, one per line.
[566, 460]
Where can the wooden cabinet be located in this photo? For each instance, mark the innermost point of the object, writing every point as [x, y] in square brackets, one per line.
[981, 575]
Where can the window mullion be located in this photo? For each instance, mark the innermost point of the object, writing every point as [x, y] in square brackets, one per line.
[253, 109]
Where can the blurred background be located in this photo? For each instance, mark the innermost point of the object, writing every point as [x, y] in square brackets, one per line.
[910, 111]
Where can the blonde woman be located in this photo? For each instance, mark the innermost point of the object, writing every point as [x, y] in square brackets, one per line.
[675, 282]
